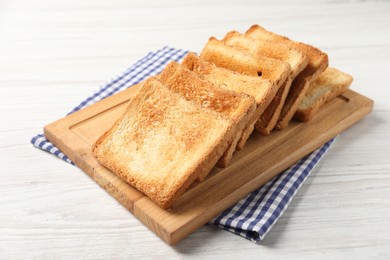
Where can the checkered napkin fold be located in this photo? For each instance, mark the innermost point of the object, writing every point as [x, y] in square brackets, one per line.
[253, 216]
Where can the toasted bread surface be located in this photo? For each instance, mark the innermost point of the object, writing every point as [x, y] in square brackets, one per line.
[163, 142]
[238, 60]
[237, 106]
[297, 91]
[230, 104]
[242, 61]
[263, 91]
[318, 62]
[297, 59]
[194, 115]
[267, 120]
[330, 84]
[259, 88]
[316, 56]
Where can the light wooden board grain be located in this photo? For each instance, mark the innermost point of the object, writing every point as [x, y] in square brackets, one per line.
[262, 159]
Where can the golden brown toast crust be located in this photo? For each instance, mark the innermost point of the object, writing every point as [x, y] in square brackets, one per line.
[243, 62]
[258, 87]
[269, 118]
[138, 148]
[230, 104]
[194, 115]
[263, 90]
[318, 62]
[297, 59]
[239, 107]
[238, 60]
[330, 84]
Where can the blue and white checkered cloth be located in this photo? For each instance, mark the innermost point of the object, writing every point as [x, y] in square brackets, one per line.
[253, 216]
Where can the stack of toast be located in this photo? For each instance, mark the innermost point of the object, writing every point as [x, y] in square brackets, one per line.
[194, 115]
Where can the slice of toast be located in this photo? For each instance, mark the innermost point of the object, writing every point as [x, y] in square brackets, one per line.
[330, 84]
[257, 87]
[268, 120]
[242, 62]
[262, 90]
[236, 106]
[280, 51]
[238, 60]
[163, 142]
[318, 62]
[297, 59]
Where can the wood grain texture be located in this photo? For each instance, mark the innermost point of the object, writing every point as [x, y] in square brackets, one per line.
[261, 160]
[56, 53]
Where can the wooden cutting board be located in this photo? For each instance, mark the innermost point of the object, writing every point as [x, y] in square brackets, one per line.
[262, 159]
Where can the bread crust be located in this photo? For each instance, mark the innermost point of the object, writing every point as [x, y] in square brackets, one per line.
[318, 62]
[138, 147]
[270, 117]
[241, 61]
[238, 106]
[297, 60]
[330, 84]
[194, 115]
[263, 91]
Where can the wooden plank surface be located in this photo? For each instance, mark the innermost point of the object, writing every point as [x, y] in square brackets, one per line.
[262, 159]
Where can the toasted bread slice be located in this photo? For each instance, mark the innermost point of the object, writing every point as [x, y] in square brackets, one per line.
[297, 59]
[262, 90]
[330, 84]
[257, 87]
[318, 62]
[163, 142]
[236, 59]
[236, 106]
[268, 120]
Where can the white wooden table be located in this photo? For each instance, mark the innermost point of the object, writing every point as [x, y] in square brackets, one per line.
[53, 54]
